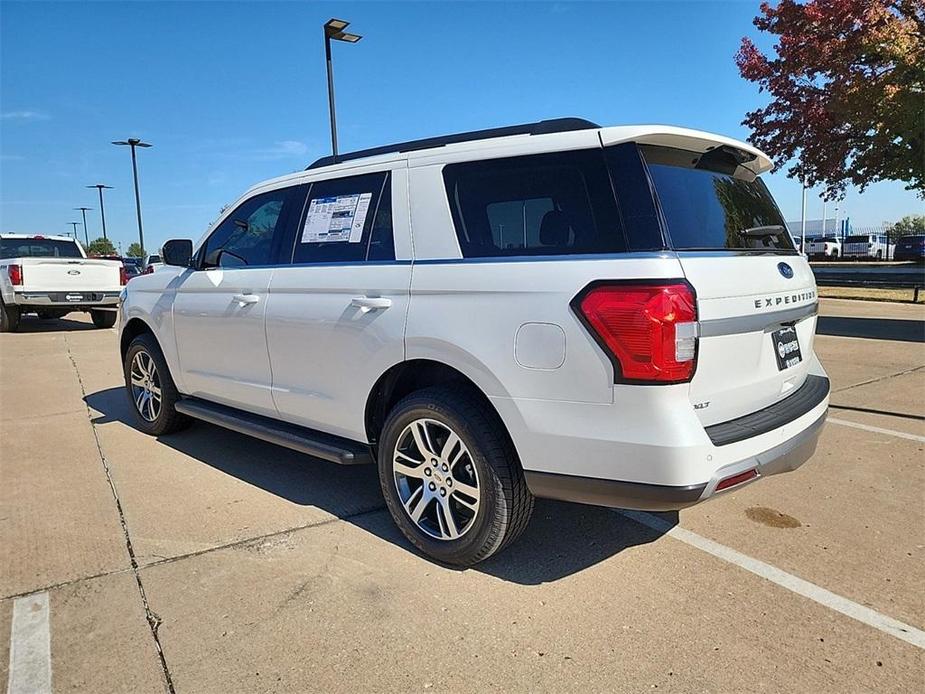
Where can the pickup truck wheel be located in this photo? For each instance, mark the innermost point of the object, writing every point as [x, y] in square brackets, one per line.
[451, 477]
[9, 318]
[103, 319]
[150, 388]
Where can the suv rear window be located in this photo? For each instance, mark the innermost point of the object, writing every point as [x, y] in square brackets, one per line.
[710, 203]
[545, 204]
[38, 248]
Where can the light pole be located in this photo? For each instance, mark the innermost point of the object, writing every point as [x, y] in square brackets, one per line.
[134, 142]
[824, 205]
[334, 29]
[83, 211]
[100, 187]
[74, 225]
[803, 222]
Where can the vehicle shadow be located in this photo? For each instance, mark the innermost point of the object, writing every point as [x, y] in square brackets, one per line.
[872, 328]
[562, 539]
[33, 324]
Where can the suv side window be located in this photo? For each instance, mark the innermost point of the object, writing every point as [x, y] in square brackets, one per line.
[545, 204]
[246, 237]
[347, 220]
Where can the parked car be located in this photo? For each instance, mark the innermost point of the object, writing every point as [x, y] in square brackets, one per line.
[152, 263]
[823, 247]
[51, 276]
[868, 246]
[131, 271]
[910, 248]
[137, 263]
[478, 316]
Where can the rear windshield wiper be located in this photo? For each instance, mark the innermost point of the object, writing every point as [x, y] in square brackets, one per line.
[769, 230]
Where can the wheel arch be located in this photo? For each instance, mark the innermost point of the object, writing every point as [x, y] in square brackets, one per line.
[134, 328]
[412, 375]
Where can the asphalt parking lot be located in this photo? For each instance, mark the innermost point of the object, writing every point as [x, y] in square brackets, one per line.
[209, 562]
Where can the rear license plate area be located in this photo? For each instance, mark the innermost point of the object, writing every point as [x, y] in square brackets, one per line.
[786, 348]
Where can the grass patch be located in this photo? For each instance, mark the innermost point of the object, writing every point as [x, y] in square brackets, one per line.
[871, 294]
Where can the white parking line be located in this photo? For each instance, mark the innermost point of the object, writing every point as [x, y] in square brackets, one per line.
[877, 430]
[30, 646]
[851, 609]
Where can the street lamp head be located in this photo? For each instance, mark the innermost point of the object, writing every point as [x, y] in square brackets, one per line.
[101, 186]
[84, 209]
[334, 29]
[132, 141]
[332, 26]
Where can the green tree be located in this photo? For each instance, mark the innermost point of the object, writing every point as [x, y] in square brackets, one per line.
[846, 87]
[909, 225]
[136, 251]
[101, 246]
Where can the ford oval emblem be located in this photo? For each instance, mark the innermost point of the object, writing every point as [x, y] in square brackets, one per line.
[785, 270]
[73, 272]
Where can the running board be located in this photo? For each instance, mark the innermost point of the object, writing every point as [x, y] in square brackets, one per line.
[314, 443]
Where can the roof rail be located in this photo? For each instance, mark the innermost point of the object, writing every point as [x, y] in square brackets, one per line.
[543, 127]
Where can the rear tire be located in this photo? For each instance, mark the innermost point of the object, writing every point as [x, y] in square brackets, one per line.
[9, 318]
[468, 493]
[151, 391]
[103, 319]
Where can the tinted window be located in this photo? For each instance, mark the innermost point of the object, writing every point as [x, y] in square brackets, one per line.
[546, 204]
[38, 248]
[342, 221]
[246, 236]
[710, 203]
[857, 239]
[634, 198]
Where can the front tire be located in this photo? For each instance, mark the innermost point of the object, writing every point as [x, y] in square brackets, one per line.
[151, 390]
[103, 319]
[451, 477]
[9, 318]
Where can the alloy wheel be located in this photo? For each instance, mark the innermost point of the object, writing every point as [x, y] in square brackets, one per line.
[146, 386]
[436, 479]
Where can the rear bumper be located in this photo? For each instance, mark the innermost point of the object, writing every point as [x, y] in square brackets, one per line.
[649, 450]
[785, 457]
[59, 300]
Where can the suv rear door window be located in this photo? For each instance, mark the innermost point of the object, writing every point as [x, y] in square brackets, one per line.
[545, 204]
[710, 203]
[347, 220]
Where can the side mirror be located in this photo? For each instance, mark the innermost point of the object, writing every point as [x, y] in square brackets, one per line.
[177, 252]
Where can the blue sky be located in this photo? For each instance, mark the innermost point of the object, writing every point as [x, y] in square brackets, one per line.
[233, 93]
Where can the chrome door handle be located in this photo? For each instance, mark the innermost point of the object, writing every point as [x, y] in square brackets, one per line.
[244, 299]
[371, 303]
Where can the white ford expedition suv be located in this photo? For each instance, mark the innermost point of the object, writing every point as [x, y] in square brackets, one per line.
[613, 316]
[52, 276]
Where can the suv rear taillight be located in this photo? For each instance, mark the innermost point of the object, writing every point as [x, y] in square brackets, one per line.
[123, 276]
[649, 330]
[15, 273]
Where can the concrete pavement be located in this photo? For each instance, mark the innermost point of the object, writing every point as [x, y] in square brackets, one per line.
[205, 561]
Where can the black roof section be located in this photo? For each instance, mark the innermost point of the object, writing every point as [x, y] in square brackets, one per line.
[543, 127]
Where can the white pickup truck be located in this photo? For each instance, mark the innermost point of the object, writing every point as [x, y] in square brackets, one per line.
[52, 276]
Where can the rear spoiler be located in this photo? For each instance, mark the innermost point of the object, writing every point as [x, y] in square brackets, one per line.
[747, 156]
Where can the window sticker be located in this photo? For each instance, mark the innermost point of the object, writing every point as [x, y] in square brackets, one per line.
[334, 219]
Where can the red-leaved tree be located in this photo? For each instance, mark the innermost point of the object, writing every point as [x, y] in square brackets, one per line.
[847, 89]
